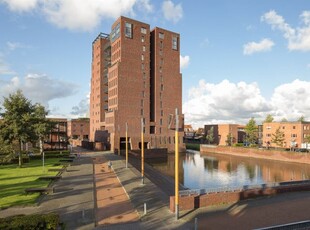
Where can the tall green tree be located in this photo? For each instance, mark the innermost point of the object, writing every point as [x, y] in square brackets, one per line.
[284, 119]
[229, 139]
[301, 118]
[41, 124]
[278, 137]
[269, 118]
[210, 135]
[251, 131]
[17, 121]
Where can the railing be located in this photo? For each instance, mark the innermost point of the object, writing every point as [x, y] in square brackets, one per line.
[295, 225]
[240, 188]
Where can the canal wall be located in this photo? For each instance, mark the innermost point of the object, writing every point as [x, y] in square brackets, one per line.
[195, 200]
[286, 156]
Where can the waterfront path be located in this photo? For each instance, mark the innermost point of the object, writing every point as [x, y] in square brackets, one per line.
[79, 200]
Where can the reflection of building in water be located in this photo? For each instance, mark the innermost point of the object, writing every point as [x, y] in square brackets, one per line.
[276, 173]
[271, 171]
[211, 163]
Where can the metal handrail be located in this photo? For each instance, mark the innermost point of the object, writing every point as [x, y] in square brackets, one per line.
[189, 192]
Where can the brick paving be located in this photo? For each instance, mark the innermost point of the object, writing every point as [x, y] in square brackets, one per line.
[113, 204]
[90, 196]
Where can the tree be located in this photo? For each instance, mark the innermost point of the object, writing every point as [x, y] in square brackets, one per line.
[278, 137]
[229, 139]
[307, 139]
[41, 124]
[284, 119]
[269, 118]
[210, 135]
[251, 131]
[301, 118]
[17, 121]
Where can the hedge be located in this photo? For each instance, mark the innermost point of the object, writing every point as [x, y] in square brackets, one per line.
[36, 221]
[193, 146]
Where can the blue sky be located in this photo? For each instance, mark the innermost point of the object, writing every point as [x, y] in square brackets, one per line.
[240, 59]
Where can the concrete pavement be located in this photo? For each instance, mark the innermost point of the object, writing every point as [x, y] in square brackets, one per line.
[91, 196]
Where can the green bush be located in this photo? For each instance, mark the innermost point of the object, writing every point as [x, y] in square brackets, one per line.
[36, 221]
[193, 146]
[238, 145]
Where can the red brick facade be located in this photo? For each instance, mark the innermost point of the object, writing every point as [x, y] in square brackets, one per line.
[140, 80]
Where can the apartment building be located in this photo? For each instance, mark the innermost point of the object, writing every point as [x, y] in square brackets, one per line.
[136, 80]
[78, 130]
[57, 138]
[225, 134]
[294, 134]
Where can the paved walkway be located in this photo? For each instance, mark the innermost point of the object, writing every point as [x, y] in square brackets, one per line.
[90, 196]
[73, 197]
[113, 204]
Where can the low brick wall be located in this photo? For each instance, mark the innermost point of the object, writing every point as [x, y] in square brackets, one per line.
[205, 200]
[258, 153]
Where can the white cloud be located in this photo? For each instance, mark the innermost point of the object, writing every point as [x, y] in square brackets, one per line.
[184, 61]
[223, 102]
[171, 11]
[298, 38]
[21, 5]
[80, 14]
[254, 47]
[228, 102]
[291, 100]
[5, 68]
[38, 88]
[13, 45]
[82, 109]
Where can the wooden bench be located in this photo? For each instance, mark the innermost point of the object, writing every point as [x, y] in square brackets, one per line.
[49, 177]
[40, 190]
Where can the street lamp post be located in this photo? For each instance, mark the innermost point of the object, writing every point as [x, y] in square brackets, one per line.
[126, 145]
[142, 150]
[176, 164]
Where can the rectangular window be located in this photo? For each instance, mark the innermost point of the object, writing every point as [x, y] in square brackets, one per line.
[161, 121]
[142, 39]
[143, 48]
[175, 43]
[294, 127]
[161, 45]
[161, 35]
[142, 57]
[128, 30]
[142, 66]
[294, 135]
[143, 30]
[141, 112]
[144, 76]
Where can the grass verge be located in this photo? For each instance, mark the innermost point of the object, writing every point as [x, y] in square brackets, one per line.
[14, 180]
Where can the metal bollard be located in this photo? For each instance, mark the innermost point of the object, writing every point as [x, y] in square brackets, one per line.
[196, 223]
[144, 208]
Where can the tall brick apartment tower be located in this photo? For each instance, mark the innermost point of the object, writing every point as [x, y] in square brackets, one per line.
[136, 75]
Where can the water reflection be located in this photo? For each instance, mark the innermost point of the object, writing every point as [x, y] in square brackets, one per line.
[215, 170]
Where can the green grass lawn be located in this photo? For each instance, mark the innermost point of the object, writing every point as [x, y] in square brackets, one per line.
[13, 181]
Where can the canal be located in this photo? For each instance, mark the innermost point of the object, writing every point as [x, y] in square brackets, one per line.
[213, 170]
